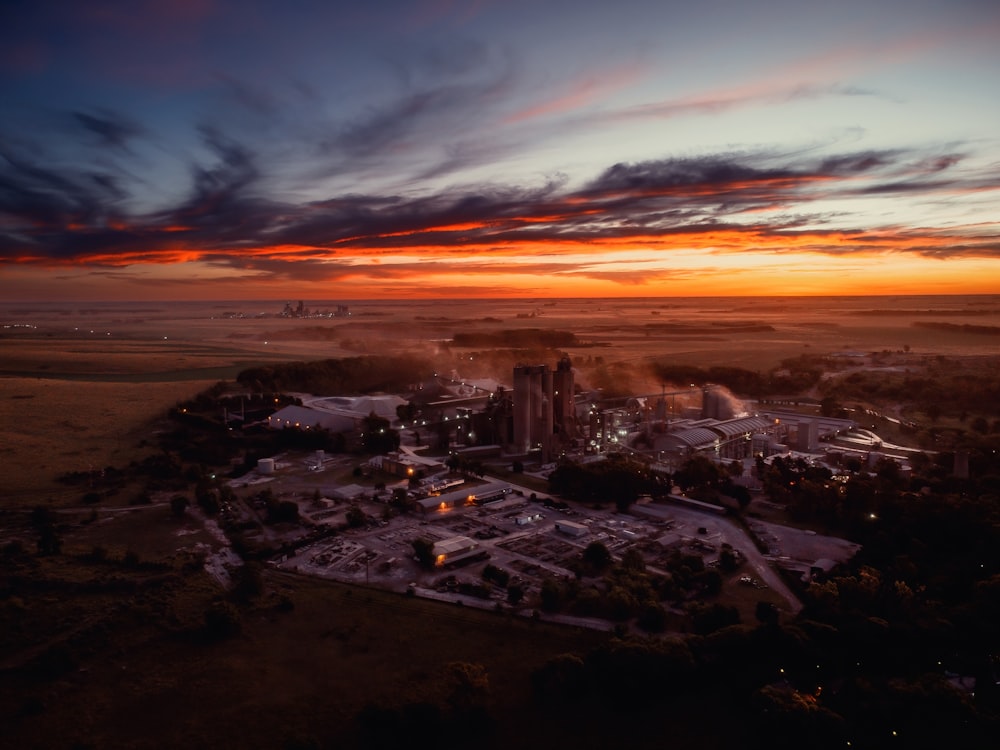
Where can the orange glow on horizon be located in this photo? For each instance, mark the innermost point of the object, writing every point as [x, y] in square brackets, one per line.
[749, 260]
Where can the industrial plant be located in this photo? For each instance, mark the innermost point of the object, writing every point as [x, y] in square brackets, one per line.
[544, 415]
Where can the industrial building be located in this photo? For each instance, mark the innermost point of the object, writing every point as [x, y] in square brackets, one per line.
[335, 413]
[455, 499]
[544, 407]
[360, 407]
[652, 426]
[405, 465]
[306, 418]
[727, 439]
[609, 428]
[572, 528]
[804, 431]
[490, 493]
[452, 550]
[482, 495]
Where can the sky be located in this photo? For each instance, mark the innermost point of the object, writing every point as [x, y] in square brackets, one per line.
[224, 149]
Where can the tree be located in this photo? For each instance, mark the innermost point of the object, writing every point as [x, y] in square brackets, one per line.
[44, 521]
[551, 595]
[178, 505]
[766, 613]
[652, 618]
[621, 603]
[281, 511]
[222, 620]
[515, 593]
[709, 618]
[562, 679]
[632, 560]
[711, 581]
[727, 558]
[377, 436]
[980, 425]
[206, 497]
[355, 517]
[596, 557]
[470, 688]
[933, 412]
[499, 576]
[853, 464]
[248, 581]
[400, 499]
[829, 407]
[226, 494]
[407, 412]
[793, 719]
[738, 492]
[423, 550]
[697, 471]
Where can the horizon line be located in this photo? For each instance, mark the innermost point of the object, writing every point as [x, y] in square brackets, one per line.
[526, 298]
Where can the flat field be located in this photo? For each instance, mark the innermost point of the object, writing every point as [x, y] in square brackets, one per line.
[293, 679]
[80, 384]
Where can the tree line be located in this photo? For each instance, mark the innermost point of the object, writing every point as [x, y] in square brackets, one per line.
[348, 375]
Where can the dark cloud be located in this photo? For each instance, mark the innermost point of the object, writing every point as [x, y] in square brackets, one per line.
[112, 130]
[727, 172]
[650, 177]
[902, 187]
[227, 216]
[856, 163]
[110, 184]
[222, 202]
[39, 198]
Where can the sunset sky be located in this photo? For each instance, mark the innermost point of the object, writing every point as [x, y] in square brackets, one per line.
[224, 149]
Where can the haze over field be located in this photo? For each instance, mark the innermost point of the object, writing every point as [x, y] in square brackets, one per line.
[213, 149]
[100, 371]
[129, 339]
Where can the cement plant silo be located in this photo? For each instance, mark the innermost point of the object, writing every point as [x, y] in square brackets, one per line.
[563, 403]
[533, 420]
[807, 436]
[716, 403]
[522, 408]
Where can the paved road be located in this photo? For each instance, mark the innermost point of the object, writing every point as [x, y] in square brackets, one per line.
[734, 535]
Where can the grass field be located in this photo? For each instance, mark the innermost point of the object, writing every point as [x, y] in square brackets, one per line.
[292, 676]
[52, 427]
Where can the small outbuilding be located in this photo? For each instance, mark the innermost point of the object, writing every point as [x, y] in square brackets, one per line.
[571, 528]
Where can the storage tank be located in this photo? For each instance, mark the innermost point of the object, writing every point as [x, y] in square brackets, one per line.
[265, 465]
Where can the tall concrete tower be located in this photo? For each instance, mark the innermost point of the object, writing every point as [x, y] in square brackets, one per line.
[807, 436]
[528, 406]
[543, 407]
[563, 404]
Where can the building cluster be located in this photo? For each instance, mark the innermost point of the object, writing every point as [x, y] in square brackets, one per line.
[545, 416]
[301, 311]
